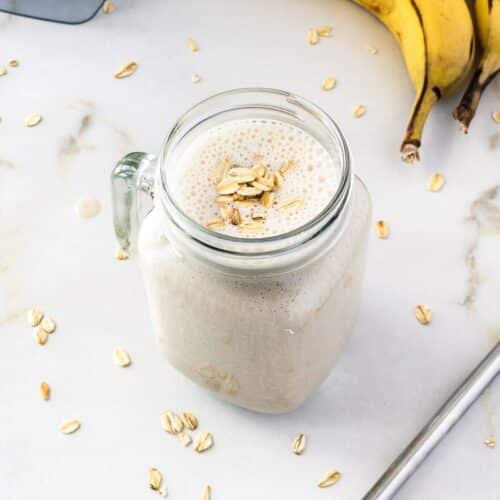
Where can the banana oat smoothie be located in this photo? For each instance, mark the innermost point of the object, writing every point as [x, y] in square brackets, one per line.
[255, 178]
[253, 254]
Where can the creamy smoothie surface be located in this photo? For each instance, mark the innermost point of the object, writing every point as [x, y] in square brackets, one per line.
[255, 178]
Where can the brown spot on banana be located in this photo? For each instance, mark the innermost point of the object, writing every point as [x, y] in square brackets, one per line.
[437, 91]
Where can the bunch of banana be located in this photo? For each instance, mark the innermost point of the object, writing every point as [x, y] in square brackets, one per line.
[437, 41]
[488, 25]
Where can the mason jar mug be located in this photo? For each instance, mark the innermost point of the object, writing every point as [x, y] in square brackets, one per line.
[258, 321]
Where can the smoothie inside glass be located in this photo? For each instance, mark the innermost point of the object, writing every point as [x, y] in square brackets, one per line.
[253, 248]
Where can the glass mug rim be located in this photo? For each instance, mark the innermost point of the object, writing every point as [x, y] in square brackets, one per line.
[220, 241]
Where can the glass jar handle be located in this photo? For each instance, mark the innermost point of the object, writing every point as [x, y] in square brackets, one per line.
[131, 180]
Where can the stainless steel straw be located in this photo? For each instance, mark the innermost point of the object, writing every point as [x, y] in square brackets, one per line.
[439, 425]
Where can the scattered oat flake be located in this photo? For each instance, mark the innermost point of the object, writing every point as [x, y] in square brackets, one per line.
[192, 45]
[325, 31]
[267, 199]
[267, 180]
[435, 182]
[220, 170]
[235, 217]
[226, 212]
[328, 83]
[252, 226]
[299, 444]
[121, 357]
[32, 120]
[126, 70]
[70, 426]
[3, 71]
[423, 314]
[228, 186]
[496, 116]
[184, 438]
[87, 207]
[230, 385]
[207, 371]
[154, 479]
[207, 492]
[312, 36]
[45, 391]
[40, 335]
[242, 172]
[261, 187]
[382, 229]
[372, 50]
[243, 179]
[249, 191]
[278, 179]
[259, 170]
[291, 203]
[225, 198]
[359, 111]
[330, 479]
[189, 420]
[286, 167]
[171, 422]
[108, 7]
[196, 78]
[121, 254]
[48, 325]
[490, 442]
[213, 224]
[34, 316]
[13, 63]
[203, 442]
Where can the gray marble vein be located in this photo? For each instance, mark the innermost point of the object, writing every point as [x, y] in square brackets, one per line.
[485, 217]
[71, 145]
[78, 142]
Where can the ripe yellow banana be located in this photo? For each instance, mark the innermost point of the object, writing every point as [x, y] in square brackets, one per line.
[437, 41]
[488, 24]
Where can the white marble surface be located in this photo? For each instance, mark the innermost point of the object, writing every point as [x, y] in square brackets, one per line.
[443, 251]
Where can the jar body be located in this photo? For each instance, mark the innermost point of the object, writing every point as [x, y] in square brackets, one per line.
[264, 342]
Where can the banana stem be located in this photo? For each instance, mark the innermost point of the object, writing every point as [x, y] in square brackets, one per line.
[412, 140]
[466, 110]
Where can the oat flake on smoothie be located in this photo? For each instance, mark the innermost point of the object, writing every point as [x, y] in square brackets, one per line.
[256, 179]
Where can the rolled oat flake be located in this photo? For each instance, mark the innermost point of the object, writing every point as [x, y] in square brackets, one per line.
[87, 207]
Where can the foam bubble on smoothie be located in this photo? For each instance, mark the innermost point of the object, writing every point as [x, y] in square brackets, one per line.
[313, 179]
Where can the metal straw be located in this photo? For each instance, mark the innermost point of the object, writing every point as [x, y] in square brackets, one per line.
[439, 425]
